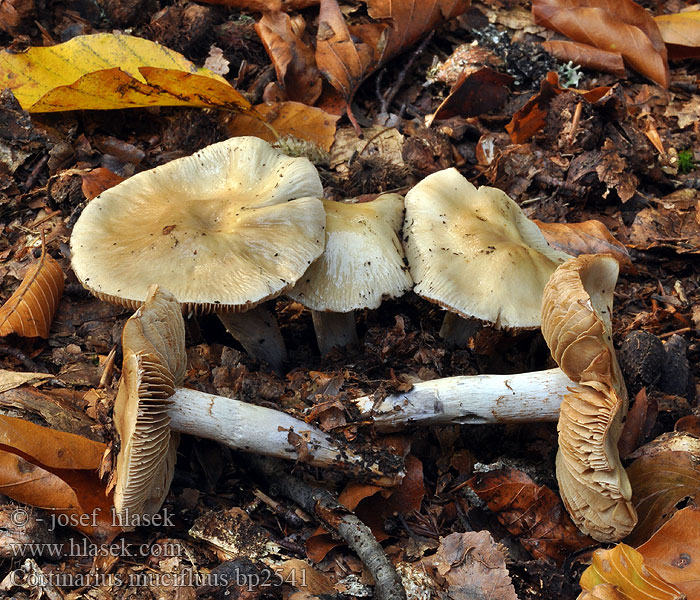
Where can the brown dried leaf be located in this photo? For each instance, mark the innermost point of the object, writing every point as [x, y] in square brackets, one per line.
[586, 56]
[30, 310]
[681, 32]
[638, 423]
[346, 54]
[474, 94]
[659, 481]
[288, 118]
[588, 237]
[57, 472]
[411, 20]
[264, 6]
[625, 568]
[293, 59]
[97, 181]
[674, 551]
[531, 511]
[474, 567]
[620, 26]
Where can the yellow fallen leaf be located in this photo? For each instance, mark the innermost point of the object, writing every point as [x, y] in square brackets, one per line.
[681, 32]
[110, 71]
[623, 567]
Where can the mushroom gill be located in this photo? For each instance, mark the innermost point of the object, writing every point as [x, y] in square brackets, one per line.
[576, 323]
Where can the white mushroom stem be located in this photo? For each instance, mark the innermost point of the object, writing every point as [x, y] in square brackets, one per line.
[472, 400]
[334, 329]
[258, 332]
[457, 331]
[269, 432]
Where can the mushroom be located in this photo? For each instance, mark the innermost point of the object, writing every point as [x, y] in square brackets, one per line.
[362, 264]
[576, 323]
[151, 404]
[225, 229]
[475, 253]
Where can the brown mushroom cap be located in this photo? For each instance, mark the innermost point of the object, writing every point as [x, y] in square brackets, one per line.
[474, 252]
[154, 365]
[576, 323]
[227, 228]
[363, 261]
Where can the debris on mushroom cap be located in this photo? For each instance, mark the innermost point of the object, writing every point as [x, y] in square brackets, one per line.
[154, 364]
[576, 323]
[363, 261]
[474, 252]
[227, 228]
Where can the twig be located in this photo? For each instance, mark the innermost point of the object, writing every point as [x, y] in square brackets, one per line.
[339, 519]
[574, 122]
[391, 94]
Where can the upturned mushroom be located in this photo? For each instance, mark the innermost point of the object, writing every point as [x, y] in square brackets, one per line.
[151, 405]
[475, 253]
[225, 229]
[576, 323]
[362, 264]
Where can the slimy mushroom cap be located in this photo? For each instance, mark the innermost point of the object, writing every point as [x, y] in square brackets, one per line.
[227, 228]
[474, 252]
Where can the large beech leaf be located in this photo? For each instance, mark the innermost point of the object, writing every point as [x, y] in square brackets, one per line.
[532, 512]
[674, 551]
[659, 482]
[625, 568]
[57, 472]
[613, 25]
[109, 71]
[30, 310]
[681, 32]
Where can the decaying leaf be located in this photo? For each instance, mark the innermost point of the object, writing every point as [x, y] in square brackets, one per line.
[674, 551]
[110, 71]
[57, 472]
[672, 223]
[264, 6]
[625, 568]
[587, 56]
[531, 118]
[292, 58]
[473, 566]
[288, 119]
[474, 94]
[12, 379]
[346, 54]
[659, 481]
[97, 181]
[681, 32]
[532, 512]
[30, 310]
[621, 26]
[589, 237]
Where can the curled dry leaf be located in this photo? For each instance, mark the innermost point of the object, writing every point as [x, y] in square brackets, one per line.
[110, 71]
[532, 512]
[625, 568]
[587, 56]
[660, 481]
[57, 472]
[620, 26]
[681, 32]
[588, 237]
[97, 181]
[674, 551]
[293, 59]
[30, 310]
[288, 119]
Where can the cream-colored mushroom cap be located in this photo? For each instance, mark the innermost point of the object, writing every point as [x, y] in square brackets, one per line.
[576, 323]
[474, 252]
[233, 225]
[154, 364]
[363, 261]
